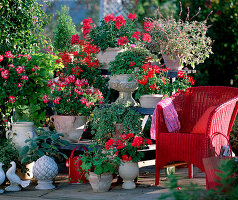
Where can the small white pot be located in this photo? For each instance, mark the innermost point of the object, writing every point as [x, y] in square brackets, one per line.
[100, 183]
[150, 101]
[128, 171]
[45, 170]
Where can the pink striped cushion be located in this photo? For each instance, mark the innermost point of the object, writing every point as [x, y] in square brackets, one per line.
[170, 117]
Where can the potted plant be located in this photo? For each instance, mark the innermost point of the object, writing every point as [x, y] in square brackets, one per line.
[122, 69]
[180, 42]
[154, 84]
[42, 150]
[100, 165]
[112, 33]
[107, 118]
[128, 147]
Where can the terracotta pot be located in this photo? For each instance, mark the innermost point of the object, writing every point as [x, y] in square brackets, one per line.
[150, 101]
[128, 171]
[118, 128]
[172, 62]
[105, 57]
[126, 84]
[100, 183]
[71, 126]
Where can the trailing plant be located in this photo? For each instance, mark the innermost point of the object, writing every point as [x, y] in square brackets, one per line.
[105, 117]
[99, 161]
[185, 39]
[23, 79]
[64, 30]
[21, 26]
[46, 143]
[128, 146]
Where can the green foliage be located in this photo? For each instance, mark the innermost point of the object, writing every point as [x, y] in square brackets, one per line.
[228, 189]
[21, 25]
[186, 39]
[221, 67]
[105, 118]
[8, 153]
[37, 86]
[64, 30]
[46, 143]
[126, 62]
[234, 137]
[99, 161]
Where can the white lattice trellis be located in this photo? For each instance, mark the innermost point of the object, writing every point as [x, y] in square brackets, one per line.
[112, 6]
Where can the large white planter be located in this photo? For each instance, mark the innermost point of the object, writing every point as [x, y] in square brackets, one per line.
[71, 126]
[100, 183]
[20, 132]
[105, 57]
[128, 171]
[172, 62]
[45, 170]
[126, 84]
[150, 101]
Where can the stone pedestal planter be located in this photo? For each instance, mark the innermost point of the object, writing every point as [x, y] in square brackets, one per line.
[126, 84]
[100, 183]
[71, 126]
[128, 171]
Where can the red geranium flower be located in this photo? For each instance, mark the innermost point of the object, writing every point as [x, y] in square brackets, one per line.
[126, 158]
[146, 37]
[153, 86]
[11, 99]
[122, 40]
[132, 16]
[136, 35]
[74, 39]
[109, 18]
[1, 58]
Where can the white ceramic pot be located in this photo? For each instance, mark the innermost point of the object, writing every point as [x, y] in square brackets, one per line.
[100, 183]
[126, 84]
[20, 132]
[45, 170]
[150, 101]
[71, 126]
[105, 57]
[172, 62]
[128, 171]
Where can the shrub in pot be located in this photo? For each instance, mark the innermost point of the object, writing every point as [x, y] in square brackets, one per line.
[180, 42]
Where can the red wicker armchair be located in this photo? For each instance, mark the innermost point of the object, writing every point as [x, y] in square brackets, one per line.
[221, 105]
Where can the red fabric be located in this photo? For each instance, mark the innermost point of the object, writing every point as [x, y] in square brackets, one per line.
[201, 125]
[190, 106]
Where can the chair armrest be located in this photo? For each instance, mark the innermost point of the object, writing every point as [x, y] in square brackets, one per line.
[222, 117]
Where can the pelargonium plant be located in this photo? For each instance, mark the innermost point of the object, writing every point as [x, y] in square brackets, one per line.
[153, 79]
[185, 39]
[73, 96]
[113, 31]
[128, 147]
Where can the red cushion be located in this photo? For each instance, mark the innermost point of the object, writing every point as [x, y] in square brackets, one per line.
[201, 125]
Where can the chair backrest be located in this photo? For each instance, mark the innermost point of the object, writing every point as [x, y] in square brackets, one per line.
[192, 104]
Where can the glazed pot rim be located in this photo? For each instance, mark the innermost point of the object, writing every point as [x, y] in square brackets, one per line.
[151, 95]
[23, 123]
